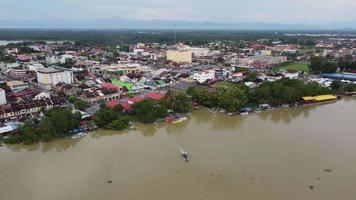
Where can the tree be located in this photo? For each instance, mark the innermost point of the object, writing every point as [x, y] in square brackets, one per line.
[105, 116]
[119, 124]
[284, 91]
[80, 104]
[224, 95]
[72, 98]
[56, 123]
[148, 111]
[178, 101]
[252, 77]
[336, 85]
[319, 65]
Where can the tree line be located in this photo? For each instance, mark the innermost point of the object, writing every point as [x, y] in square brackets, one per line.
[56, 123]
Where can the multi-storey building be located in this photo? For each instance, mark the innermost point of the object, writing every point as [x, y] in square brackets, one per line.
[51, 76]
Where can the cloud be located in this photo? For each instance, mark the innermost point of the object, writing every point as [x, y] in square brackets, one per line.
[283, 11]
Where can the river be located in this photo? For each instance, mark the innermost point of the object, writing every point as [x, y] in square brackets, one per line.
[298, 153]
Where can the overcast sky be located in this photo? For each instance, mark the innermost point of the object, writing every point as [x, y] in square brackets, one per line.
[281, 11]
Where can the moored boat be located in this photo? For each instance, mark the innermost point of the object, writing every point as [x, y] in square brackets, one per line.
[244, 113]
[78, 135]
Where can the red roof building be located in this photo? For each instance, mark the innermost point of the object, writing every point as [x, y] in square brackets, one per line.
[110, 86]
[135, 99]
[156, 96]
[126, 106]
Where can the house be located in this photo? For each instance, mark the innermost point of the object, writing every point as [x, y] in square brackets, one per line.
[203, 76]
[93, 95]
[42, 95]
[126, 105]
[24, 109]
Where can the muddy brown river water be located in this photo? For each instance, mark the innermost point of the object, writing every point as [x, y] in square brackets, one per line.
[297, 153]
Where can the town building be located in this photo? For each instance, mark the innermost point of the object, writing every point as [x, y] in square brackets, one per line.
[262, 61]
[2, 97]
[179, 56]
[17, 86]
[51, 76]
[16, 73]
[203, 76]
[35, 66]
[28, 108]
[291, 74]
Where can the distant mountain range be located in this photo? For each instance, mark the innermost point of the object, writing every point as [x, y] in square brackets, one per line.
[120, 23]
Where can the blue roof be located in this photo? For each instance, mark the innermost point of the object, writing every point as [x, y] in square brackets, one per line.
[349, 77]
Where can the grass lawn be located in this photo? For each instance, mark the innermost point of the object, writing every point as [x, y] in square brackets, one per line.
[307, 50]
[296, 66]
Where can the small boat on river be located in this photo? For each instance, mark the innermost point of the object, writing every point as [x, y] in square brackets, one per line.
[78, 135]
[184, 154]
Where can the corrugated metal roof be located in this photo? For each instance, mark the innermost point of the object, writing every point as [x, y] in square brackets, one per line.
[320, 98]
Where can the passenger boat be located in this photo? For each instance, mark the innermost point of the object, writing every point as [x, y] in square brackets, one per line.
[184, 154]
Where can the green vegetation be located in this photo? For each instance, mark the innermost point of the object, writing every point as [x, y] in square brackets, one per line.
[347, 63]
[148, 111]
[342, 88]
[6, 58]
[78, 103]
[177, 101]
[307, 50]
[232, 96]
[284, 91]
[322, 65]
[56, 123]
[113, 119]
[294, 66]
[224, 95]
[251, 76]
[119, 124]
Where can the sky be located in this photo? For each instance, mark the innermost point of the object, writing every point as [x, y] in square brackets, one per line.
[229, 11]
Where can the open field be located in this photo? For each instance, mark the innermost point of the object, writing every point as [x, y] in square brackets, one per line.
[295, 66]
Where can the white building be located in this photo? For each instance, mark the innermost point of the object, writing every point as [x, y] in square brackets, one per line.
[291, 74]
[48, 77]
[2, 97]
[42, 95]
[65, 57]
[17, 86]
[35, 66]
[6, 66]
[203, 76]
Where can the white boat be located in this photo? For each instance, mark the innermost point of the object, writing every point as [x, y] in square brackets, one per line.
[179, 120]
[184, 154]
[78, 135]
[244, 113]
